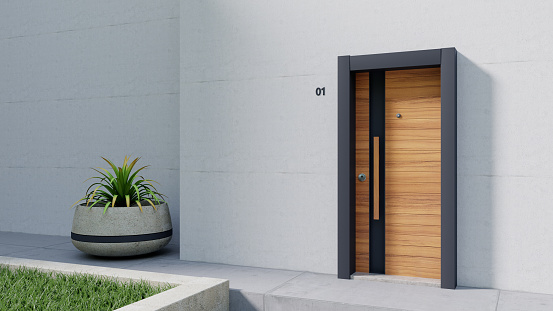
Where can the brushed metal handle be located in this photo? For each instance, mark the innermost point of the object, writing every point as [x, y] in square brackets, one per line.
[376, 203]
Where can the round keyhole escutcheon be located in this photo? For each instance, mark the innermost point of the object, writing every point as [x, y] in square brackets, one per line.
[362, 177]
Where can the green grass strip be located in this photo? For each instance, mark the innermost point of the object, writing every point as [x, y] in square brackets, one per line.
[30, 289]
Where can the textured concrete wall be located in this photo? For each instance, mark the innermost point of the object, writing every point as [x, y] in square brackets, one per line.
[258, 147]
[80, 80]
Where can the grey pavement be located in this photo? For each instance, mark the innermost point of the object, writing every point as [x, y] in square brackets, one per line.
[275, 290]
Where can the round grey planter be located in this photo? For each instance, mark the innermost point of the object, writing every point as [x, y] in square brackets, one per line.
[121, 231]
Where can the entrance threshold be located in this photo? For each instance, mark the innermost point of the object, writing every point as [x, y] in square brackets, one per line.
[408, 280]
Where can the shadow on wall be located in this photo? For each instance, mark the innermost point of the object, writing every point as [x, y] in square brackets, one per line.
[475, 206]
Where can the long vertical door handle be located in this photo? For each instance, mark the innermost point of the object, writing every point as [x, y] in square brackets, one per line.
[376, 178]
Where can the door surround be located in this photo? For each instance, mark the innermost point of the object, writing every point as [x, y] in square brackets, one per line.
[348, 66]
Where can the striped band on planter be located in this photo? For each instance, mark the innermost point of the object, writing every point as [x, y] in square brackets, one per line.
[121, 238]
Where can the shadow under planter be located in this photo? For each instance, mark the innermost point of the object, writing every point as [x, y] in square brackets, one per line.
[121, 231]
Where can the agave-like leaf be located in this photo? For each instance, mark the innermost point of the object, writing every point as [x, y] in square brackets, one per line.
[134, 175]
[153, 194]
[137, 192]
[152, 204]
[139, 205]
[139, 183]
[94, 203]
[96, 183]
[153, 181]
[110, 189]
[114, 185]
[148, 181]
[161, 197]
[120, 180]
[113, 201]
[111, 179]
[78, 201]
[122, 172]
[106, 208]
[128, 200]
[126, 172]
[105, 195]
[111, 164]
[126, 182]
[108, 176]
[127, 186]
[133, 163]
[142, 186]
[149, 191]
[103, 169]
[92, 195]
[92, 178]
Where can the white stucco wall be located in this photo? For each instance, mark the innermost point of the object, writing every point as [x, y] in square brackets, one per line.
[258, 148]
[80, 80]
[257, 184]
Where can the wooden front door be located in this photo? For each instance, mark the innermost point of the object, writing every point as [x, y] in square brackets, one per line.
[402, 163]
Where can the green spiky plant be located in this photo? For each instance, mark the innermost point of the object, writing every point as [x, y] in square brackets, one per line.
[121, 189]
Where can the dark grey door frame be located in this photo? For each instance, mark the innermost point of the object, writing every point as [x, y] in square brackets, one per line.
[347, 67]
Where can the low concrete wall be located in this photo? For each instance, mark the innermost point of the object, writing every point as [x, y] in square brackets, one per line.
[191, 293]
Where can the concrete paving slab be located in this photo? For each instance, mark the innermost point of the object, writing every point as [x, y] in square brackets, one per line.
[35, 240]
[270, 289]
[6, 249]
[520, 301]
[78, 257]
[249, 279]
[171, 252]
[277, 303]
[245, 301]
[68, 246]
[327, 288]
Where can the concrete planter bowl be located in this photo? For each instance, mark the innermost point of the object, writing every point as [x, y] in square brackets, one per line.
[121, 231]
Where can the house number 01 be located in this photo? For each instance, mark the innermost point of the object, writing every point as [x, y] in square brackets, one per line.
[320, 91]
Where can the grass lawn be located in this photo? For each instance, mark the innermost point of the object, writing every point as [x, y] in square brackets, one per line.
[30, 289]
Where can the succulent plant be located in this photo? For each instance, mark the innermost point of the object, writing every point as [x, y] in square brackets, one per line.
[120, 189]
